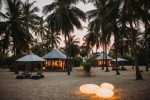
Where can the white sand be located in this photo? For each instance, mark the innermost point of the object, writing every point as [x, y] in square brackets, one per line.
[60, 86]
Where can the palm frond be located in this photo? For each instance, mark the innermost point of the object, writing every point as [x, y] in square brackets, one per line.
[4, 26]
[91, 14]
[48, 8]
[79, 13]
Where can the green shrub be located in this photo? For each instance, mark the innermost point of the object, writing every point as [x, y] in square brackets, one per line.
[87, 66]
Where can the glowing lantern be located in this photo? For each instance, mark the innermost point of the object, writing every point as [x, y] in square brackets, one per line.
[107, 85]
[104, 92]
[89, 88]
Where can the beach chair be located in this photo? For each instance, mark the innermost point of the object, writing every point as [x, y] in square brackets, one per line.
[19, 76]
[123, 68]
[38, 75]
[24, 75]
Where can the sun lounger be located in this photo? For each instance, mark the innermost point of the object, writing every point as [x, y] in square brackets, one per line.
[38, 75]
[123, 68]
[20, 76]
[24, 75]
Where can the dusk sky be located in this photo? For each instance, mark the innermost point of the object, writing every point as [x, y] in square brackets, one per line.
[85, 7]
[79, 33]
[82, 6]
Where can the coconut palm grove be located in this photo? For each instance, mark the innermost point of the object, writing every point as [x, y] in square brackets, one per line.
[42, 57]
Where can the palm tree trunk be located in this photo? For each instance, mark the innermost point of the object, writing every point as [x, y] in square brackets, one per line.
[69, 54]
[147, 64]
[146, 58]
[116, 54]
[134, 52]
[116, 46]
[14, 49]
[107, 70]
[52, 45]
[146, 26]
[47, 39]
[147, 68]
[67, 59]
[103, 58]
[138, 74]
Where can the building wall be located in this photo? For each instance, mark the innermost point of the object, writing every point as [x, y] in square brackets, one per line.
[100, 63]
[55, 64]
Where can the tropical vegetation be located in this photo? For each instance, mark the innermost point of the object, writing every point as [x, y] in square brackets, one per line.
[22, 30]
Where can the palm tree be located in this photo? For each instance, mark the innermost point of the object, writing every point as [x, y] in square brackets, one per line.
[112, 17]
[39, 49]
[29, 12]
[16, 26]
[41, 29]
[64, 17]
[84, 51]
[31, 18]
[98, 22]
[43, 32]
[53, 39]
[28, 8]
[145, 7]
[73, 47]
[146, 21]
[92, 39]
[123, 14]
[130, 14]
[13, 27]
[49, 39]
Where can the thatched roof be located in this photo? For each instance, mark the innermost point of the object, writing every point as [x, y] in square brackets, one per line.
[103, 56]
[54, 54]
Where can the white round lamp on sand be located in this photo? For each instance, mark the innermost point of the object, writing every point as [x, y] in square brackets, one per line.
[104, 92]
[89, 88]
[107, 85]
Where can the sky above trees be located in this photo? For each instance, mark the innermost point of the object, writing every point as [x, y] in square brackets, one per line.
[82, 6]
[85, 7]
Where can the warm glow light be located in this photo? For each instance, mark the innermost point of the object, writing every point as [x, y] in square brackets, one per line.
[107, 85]
[89, 88]
[43, 68]
[104, 92]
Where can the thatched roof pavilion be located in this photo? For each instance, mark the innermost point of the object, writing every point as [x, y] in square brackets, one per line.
[101, 60]
[55, 59]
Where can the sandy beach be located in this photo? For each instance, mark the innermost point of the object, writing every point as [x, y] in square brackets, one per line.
[60, 86]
